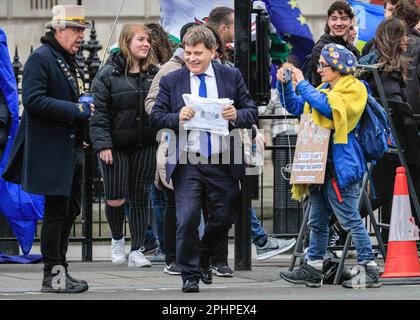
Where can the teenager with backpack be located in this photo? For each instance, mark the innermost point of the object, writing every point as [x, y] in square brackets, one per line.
[338, 105]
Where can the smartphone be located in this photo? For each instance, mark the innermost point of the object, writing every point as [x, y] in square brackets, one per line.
[288, 75]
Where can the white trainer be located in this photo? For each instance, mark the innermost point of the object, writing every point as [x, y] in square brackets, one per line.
[137, 259]
[117, 251]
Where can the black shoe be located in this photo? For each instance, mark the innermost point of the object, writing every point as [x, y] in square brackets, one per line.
[150, 247]
[222, 270]
[190, 285]
[206, 275]
[305, 274]
[364, 276]
[56, 283]
[172, 269]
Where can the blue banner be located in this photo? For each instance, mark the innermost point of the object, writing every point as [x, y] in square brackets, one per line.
[22, 210]
[369, 16]
[291, 25]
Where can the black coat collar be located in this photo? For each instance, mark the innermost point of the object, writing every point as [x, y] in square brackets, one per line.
[72, 78]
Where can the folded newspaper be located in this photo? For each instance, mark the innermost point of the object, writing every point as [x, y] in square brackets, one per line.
[208, 114]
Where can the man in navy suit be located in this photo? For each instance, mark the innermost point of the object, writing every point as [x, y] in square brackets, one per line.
[216, 183]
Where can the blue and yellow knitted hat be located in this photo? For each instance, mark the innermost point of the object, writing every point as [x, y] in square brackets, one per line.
[339, 58]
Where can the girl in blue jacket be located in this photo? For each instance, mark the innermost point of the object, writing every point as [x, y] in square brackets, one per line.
[337, 104]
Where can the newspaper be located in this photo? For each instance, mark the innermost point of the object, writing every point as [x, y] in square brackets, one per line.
[208, 114]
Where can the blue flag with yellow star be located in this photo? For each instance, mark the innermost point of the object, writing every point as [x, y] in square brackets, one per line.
[291, 25]
[369, 16]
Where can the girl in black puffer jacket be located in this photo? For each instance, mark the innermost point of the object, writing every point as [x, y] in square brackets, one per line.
[121, 134]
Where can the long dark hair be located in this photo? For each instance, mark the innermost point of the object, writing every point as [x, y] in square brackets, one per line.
[408, 11]
[161, 45]
[389, 35]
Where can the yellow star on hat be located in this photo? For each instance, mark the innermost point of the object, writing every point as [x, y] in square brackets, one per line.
[340, 67]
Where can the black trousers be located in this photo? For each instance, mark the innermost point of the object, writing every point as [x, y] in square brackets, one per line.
[59, 216]
[170, 228]
[220, 251]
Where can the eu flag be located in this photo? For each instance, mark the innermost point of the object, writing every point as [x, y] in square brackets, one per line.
[369, 16]
[291, 25]
[22, 210]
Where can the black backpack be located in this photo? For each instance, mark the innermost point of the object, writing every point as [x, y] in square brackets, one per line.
[330, 267]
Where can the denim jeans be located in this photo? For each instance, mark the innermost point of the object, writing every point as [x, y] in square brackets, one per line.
[324, 203]
[158, 201]
[258, 234]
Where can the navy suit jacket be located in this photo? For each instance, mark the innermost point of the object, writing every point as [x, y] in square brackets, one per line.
[230, 84]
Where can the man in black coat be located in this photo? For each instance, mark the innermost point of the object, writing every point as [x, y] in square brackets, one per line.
[47, 154]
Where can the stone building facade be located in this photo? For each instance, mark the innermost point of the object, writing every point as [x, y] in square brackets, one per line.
[24, 20]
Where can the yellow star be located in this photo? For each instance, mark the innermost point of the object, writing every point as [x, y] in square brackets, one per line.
[332, 54]
[347, 70]
[301, 19]
[354, 69]
[290, 46]
[340, 67]
[335, 61]
[331, 49]
[293, 4]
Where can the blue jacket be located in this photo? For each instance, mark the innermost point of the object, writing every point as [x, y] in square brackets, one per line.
[348, 159]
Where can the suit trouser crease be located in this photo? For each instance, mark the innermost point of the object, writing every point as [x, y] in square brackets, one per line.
[192, 183]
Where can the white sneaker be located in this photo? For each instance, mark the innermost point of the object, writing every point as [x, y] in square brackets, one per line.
[117, 251]
[137, 259]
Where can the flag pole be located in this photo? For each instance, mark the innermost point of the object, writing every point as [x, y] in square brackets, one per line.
[112, 31]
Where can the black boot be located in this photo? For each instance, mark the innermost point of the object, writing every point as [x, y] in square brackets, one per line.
[58, 282]
[70, 278]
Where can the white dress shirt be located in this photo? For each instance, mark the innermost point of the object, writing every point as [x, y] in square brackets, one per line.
[218, 144]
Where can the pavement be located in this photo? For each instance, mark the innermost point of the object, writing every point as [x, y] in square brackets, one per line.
[111, 282]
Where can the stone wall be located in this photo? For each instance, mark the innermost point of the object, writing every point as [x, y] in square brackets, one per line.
[24, 24]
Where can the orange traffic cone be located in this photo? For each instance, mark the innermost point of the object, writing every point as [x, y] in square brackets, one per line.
[401, 259]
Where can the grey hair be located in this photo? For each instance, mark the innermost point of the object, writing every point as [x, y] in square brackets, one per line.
[199, 34]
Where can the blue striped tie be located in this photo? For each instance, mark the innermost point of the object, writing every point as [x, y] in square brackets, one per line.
[205, 137]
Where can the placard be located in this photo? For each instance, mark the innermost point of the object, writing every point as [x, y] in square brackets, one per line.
[311, 153]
